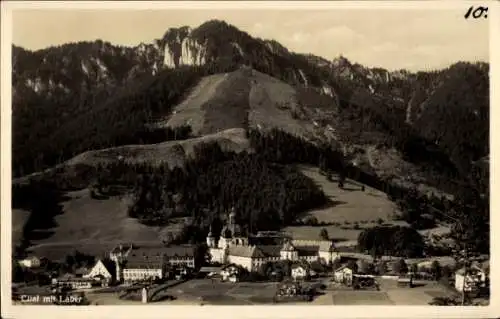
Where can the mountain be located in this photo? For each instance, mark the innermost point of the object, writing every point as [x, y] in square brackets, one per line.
[82, 97]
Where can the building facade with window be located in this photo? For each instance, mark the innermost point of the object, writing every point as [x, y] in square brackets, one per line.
[233, 247]
[150, 262]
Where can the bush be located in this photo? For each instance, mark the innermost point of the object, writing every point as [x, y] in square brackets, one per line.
[400, 267]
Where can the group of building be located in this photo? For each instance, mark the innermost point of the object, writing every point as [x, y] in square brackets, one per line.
[251, 252]
[129, 263]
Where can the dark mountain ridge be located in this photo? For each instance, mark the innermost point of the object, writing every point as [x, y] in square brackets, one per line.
[88, 95]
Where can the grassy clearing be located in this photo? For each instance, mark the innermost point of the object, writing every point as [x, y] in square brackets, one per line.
[94, 226]
[228, 107]
[361, 298]
[224, 293]
[350, 207]
[412, 296]
[190, 110]
[272, 103]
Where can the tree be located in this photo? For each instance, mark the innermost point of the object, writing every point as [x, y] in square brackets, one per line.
[381, 268]
[336, 264]
[17, 272]
[436, 270]
[352, 265]
[366, 267]
[324, 234]
[414, 268]
[400, 267]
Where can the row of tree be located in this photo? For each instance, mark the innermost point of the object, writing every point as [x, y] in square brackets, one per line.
[266, 196]
[391, 241]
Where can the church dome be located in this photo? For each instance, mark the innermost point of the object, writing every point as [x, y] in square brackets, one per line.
[226, 232]
[237, 230]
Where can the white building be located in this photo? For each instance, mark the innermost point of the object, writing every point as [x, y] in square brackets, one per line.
[344, 275]
[300, 272]
[230, 273]
[30, 262]
[144, 263]
[103, 272]
[233, 247]
[475, 279]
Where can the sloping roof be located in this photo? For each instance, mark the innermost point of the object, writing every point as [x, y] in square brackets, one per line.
[326, 246]
[179, 251]
[66, 276]
[323, 245]
[159, 251]
[108, 264]
[210, 269]
[147, 252]
[343, 267]
[270, 250]
[144, 261]
[307, 250]
[472, 269]
[244, 251]
[81, 271]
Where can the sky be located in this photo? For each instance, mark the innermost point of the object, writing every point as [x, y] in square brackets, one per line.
[388, 38]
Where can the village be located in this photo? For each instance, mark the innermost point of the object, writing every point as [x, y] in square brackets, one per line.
[264, 268]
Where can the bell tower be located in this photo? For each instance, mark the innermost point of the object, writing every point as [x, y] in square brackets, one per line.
[210, 238]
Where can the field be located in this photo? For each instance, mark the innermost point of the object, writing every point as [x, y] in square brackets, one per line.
[365, 298]
[93, 225]
[412, 296]
[349, 206]
[19, 218]
[222, 293]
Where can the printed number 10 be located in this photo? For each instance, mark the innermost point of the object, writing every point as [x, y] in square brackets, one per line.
[477, 12]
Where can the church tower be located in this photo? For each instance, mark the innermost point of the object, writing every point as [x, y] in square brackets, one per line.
[232, 221]
[210, 238]
[288, 252]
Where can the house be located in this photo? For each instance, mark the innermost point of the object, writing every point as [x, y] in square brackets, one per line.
[405, 281]
[81, 272]
[150, 262]
[476, 278]
[102, 272]
[233, 278]
[181, 271]
[180, 256]
[251, 252]
[72, 282]
[141, 266]
[300, 271]
[344, 274]
[30, 262]
[230, 273]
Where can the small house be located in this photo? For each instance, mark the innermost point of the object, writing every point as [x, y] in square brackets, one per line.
[344, 275]
[474, 279]
[300, 272]
[102, 272]
[30, 262]
[229, 271]
[72, 282]
[405, 281]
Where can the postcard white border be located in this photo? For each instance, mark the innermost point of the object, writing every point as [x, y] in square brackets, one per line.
[152, 311]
